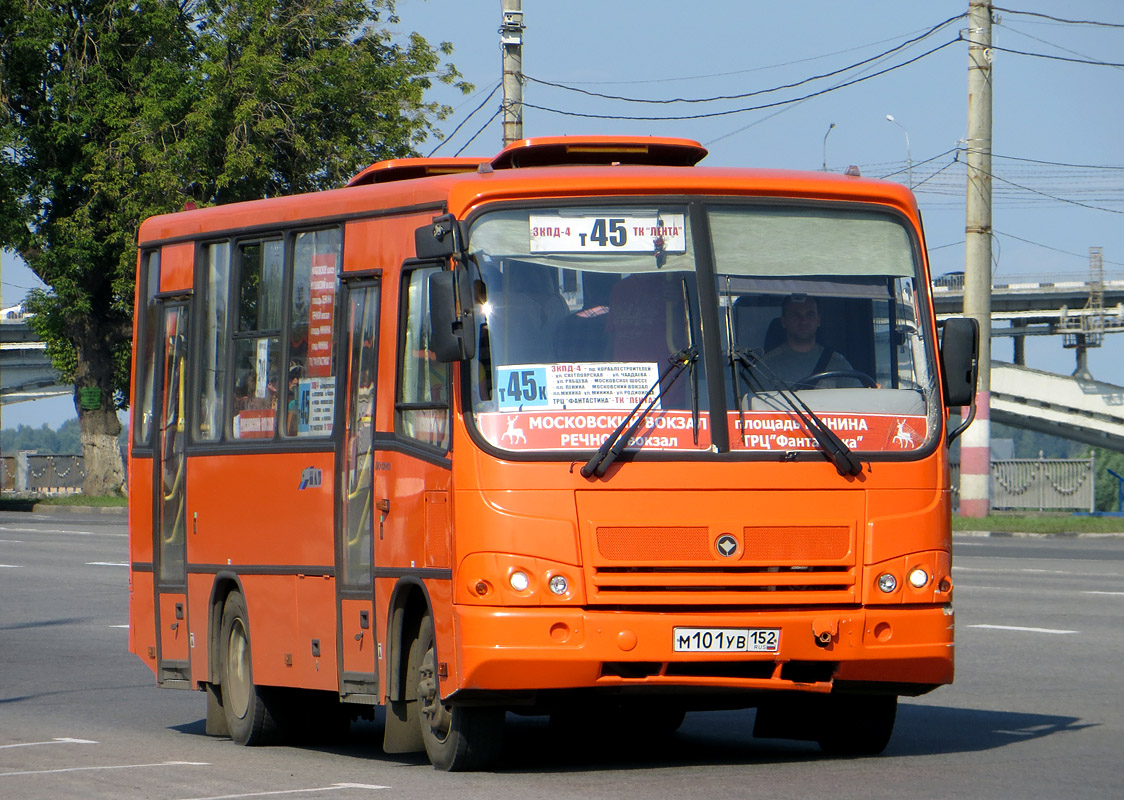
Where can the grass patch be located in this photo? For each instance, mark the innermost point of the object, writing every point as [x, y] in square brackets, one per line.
[105, 501]
[1039, 523]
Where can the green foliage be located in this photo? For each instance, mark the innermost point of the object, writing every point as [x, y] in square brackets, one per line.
[111, 111]
[67, 439]
[1106, 487]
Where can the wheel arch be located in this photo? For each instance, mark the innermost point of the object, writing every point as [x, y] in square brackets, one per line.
[409, 603]
[225, 584]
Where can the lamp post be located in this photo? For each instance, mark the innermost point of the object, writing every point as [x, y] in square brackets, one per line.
[908, 152]
[829, 127]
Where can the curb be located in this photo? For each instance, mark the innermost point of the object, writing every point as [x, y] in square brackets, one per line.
[1031, 535]
[44, 508]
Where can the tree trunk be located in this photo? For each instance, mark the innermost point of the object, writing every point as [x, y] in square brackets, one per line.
[105, 472]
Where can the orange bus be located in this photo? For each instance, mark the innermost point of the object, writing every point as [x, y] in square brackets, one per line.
[583, 430]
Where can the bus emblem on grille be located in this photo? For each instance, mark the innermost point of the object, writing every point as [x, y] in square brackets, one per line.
[726, 545]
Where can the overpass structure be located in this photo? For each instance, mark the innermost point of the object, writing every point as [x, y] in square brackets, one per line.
[25, 371]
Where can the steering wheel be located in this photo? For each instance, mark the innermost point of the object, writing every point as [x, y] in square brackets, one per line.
[861, 377]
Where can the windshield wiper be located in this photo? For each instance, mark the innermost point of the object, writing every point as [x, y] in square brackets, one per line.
[614, 445]
[832, 446]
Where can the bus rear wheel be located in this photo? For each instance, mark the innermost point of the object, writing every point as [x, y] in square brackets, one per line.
[457, 738]
[245, 707]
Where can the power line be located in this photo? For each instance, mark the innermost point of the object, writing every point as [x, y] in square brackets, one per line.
[1058, 58]
[744, 95]
[466, 119]
[482, 127]
[1048, 247]
[750, 108]
[1043, 41]
[1096, 23]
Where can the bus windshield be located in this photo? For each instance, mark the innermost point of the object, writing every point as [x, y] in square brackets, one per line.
[586, 313]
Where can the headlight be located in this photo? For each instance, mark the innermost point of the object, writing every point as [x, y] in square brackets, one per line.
[559, 585]
[918, 578]
[887, 582]
[519, 581]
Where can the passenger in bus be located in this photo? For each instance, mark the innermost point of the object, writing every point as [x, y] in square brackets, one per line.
[800, 355]
[526, 311]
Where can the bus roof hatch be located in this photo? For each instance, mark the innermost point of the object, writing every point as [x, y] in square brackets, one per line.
[404, 169]
[553, 151]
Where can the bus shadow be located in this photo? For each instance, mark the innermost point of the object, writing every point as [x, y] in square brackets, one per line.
[712, 738]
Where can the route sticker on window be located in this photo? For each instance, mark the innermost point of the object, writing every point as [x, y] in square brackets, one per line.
[657, 233]
[529, 387]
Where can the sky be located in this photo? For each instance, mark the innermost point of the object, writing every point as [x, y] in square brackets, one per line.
[1057, 139]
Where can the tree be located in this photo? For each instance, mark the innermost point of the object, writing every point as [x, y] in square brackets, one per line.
[111, 111]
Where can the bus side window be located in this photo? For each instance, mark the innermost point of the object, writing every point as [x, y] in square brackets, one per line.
[257, 343]
[422, 404]
[310, 375]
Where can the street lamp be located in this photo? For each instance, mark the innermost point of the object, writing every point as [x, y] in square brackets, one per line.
[908, 153]
[829, 127]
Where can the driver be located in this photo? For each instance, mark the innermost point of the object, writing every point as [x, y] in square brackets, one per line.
[800, 356]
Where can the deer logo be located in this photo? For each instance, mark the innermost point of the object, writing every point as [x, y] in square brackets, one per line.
[904, 437]
[512, 434]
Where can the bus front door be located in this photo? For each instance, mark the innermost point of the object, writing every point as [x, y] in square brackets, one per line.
[170, 513]
[358, 629]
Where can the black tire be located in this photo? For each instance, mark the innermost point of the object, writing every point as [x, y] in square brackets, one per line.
[245, 706]
[457, 738]
[857, 725]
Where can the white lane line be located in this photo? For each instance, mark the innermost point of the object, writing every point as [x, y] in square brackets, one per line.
[9, 566]
[1110, 594]
[107, 564]
[7, 529]
[64, 740]
[335, 787]
[12, 541]
[1019, 628]
[118, 626]
[1017, 571]
[112, 766]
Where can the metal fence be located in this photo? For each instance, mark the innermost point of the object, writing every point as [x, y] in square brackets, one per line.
[1038, 484]
[35, 474]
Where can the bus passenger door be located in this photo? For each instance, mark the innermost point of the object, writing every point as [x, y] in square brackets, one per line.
[358, 630]
[169, 504]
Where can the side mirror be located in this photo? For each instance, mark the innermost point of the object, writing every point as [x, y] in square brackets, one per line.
[452, 324]
[439, 239]
[960, 354]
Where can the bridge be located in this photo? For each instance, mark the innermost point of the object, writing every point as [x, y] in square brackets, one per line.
[25, 371]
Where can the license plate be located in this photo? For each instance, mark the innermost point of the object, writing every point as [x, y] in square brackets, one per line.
[727, 640]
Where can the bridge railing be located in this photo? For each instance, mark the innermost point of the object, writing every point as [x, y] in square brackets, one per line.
[1040, 484]
[29, 473]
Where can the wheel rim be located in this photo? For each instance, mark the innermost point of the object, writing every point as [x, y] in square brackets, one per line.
[437, 716]
[236, 691]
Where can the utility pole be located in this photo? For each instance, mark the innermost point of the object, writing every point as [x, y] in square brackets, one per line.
[511, 40]
[975, 447]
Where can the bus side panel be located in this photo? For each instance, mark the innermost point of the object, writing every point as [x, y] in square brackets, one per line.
[142, 619]
[268, 517]
[904, 521]
[258, 510]
[314, 661]
[199, 586]
[275, 646]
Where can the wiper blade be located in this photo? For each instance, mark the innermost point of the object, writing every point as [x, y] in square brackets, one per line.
[614, 445]
[846, 463]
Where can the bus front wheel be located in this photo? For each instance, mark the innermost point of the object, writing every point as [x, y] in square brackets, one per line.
[248, 716]
[457, 738]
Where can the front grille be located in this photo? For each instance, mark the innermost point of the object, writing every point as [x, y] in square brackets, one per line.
[807, 564]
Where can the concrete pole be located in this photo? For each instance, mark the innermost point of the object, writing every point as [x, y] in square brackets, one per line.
[511, 41]
[975, 447]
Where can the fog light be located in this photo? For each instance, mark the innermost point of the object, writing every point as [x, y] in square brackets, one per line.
[887, 582]
[918, 578]
[559, 585]
[519, 581]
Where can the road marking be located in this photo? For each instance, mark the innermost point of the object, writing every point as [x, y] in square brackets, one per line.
[107, 564]
[53, 741]
[112, 766]
[118, 626]
[9, 566]
[1110, 594]
[59, 530]
[1019, 628]
[12, 541]
[335, 787]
